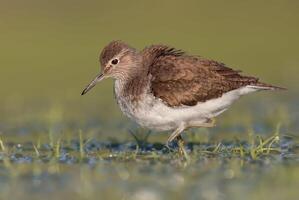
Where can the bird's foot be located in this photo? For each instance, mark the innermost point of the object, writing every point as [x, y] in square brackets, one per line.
[181, 149]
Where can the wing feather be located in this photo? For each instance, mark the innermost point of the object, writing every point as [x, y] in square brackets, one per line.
[179, 79]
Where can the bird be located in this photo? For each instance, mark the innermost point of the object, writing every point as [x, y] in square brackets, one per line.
[166, 89]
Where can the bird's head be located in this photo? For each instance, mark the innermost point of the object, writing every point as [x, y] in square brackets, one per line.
[118, 60]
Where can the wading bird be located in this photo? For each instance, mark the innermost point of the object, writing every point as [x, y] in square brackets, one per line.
[165, 89]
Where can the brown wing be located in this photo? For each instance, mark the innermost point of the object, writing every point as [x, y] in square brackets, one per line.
[179, 79]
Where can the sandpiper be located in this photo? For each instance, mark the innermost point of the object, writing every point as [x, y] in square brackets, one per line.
[165, 89]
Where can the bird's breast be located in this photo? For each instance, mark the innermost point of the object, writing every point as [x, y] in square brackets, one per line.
[128, 103]
[144, 109]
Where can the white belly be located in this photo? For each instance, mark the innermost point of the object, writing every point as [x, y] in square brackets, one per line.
[152, 113]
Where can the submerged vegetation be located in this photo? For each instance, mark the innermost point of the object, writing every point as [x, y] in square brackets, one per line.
[86, 168]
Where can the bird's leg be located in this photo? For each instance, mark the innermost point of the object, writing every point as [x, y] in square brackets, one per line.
[181, 145]
[208, 124]
[176, 133]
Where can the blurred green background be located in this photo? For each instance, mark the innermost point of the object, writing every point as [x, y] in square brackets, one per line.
[49, 52]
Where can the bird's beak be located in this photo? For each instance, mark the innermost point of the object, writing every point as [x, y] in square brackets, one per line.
[97, 79]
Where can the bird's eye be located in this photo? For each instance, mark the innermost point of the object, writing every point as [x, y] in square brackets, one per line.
[114, 61]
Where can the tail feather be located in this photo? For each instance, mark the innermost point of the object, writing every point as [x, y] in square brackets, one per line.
[265, 86]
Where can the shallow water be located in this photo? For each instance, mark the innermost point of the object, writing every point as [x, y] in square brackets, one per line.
[92, 169]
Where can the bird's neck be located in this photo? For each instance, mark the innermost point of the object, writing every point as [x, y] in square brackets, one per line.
[132, 87]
